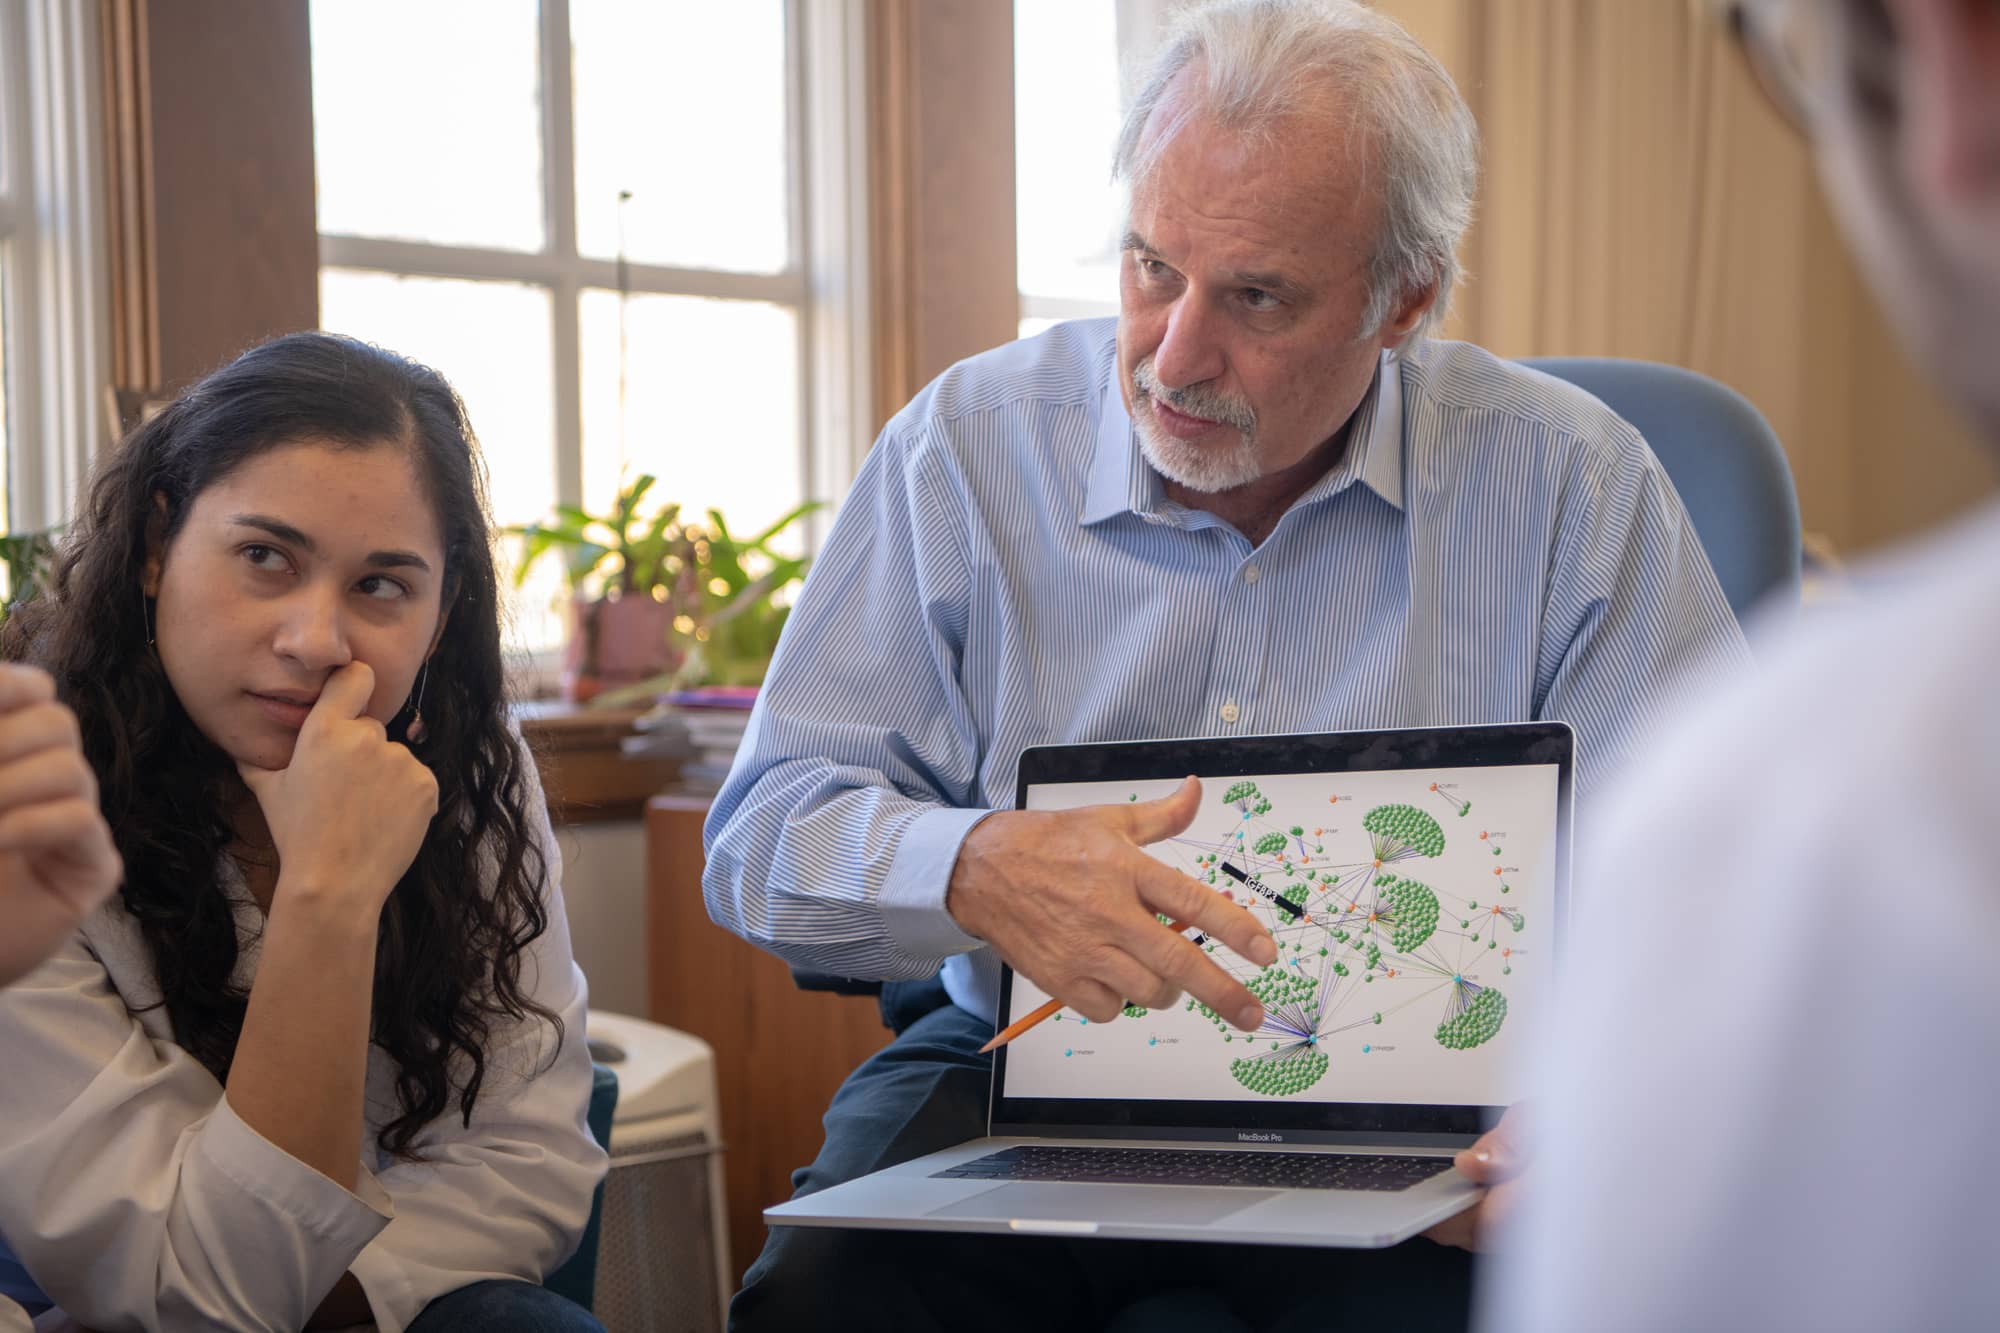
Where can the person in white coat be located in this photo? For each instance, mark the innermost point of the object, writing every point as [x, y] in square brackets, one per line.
[1774, 1082]
[57, 861]
[321, 1061]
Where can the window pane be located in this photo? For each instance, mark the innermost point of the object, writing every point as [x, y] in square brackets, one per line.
[492, 341]
[710, 405]
[683, 105]
[427, 120]
[1068, 214]
[6, 443]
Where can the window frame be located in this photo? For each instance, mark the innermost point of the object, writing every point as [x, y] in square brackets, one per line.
[825, 281]
[52, 251]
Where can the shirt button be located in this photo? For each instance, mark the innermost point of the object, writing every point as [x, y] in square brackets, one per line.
[1251, 573]
[1229, 712]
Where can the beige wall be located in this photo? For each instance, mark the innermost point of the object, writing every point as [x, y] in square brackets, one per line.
[1641, 199]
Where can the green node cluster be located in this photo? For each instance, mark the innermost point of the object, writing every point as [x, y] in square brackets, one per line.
[1476, 1023]
[1398, 826]
[1413, 912]
[1283, 1075]
[1281, 986]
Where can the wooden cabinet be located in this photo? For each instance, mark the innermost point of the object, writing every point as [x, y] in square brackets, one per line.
[779, 1052]
[586, 777]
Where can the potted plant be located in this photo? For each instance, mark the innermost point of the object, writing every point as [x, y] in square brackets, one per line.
[657, 603]
[27, 557]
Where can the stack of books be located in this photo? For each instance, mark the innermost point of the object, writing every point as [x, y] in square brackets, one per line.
[702, 726]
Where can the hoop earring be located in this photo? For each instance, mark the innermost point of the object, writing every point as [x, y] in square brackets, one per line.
[415, 731]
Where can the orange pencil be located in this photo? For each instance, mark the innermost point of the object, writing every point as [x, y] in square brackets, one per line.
[1016, 1028]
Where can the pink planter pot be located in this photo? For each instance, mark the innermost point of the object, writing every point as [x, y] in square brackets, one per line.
[615, 642]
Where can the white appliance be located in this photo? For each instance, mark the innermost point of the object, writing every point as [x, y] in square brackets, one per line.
[663, 1256]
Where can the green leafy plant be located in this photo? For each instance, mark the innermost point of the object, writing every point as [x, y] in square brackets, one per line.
[27, 557]
[629, 552]
[729, 595]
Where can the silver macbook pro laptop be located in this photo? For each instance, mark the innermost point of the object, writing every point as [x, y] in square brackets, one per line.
[1414, 880]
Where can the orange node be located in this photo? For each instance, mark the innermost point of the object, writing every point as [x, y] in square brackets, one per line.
[1317, 832]
[1496, 911]
[1482, 835]
[1434, 786]
[1378, 863]
[1496, 870]
[1506, 953]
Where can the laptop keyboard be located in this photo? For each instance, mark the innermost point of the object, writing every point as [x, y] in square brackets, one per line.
[1182, 1166]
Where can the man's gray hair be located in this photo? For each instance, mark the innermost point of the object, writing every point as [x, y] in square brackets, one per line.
[1264, 61]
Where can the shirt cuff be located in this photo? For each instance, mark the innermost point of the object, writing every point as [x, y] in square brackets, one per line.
[912, 897]
[319, 1204]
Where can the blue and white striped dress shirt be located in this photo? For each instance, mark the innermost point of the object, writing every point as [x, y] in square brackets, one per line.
[1007, 571]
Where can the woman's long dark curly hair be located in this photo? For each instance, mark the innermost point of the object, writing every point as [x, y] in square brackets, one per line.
[448, 960]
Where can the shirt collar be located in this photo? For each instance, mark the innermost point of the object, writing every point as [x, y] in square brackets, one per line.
[1120, 480]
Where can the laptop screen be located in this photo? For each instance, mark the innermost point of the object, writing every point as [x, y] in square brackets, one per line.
[1412, 881]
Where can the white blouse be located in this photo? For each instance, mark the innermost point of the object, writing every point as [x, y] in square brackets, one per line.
[137, 1198]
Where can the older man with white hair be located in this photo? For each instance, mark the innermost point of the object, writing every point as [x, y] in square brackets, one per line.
[1263, 501]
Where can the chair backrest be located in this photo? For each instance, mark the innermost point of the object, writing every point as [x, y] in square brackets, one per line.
[1723, 458]
[577, 1277]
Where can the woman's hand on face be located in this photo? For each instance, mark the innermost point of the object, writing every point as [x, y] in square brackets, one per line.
[57, 860]
[350, 811]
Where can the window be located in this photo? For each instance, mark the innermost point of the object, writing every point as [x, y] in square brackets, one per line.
[13, 208]
[1069, 215]
[53, 334]
[592, 217]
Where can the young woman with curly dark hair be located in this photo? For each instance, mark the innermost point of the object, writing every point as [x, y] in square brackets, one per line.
[321, 1060]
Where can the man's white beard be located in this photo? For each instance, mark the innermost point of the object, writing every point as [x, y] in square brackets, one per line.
[1207, 470]
[1204, 468]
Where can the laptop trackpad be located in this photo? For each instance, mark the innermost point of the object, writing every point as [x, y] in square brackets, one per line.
[1059, 1201]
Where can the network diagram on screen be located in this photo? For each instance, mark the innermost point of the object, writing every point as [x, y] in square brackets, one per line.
[1412, 912]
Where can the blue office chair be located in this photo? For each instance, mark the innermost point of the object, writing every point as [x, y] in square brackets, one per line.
[1724, 460]
[577, 1277]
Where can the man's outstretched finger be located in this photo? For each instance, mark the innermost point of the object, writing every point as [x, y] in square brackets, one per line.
[1179, 962]
[1227, 996]
[1185, 967]
[1136, 980]
[1170, 893]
